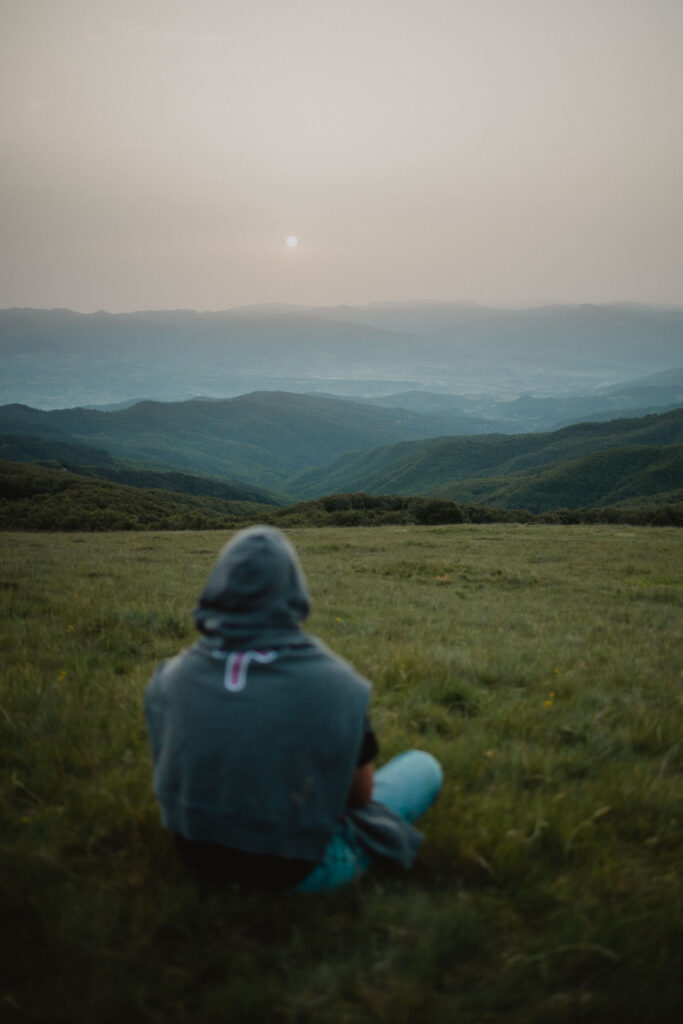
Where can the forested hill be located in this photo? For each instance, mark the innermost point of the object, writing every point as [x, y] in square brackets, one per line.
[491, 468]
[647, 474]
[95, 462]
[34, 497]
[260, 438]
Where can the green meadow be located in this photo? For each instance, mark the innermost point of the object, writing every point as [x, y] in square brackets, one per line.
[541, 664]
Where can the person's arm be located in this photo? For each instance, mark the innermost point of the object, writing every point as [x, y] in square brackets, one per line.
[360, 791]
[361, 785]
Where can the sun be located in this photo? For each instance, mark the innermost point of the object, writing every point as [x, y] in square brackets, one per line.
[292, 241]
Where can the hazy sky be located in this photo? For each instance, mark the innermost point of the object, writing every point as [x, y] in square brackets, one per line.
[157, 153]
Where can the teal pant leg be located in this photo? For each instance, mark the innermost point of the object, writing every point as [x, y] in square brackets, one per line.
[342, 861]
[408, 784]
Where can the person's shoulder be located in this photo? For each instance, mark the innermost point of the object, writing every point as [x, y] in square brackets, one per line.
[335, 663]
[168, 668]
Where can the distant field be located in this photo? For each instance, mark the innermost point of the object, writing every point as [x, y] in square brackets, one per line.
[541, 664]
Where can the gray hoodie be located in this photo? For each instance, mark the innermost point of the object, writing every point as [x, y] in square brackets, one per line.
[256, 729]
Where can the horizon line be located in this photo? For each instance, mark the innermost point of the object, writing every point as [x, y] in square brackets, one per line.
[276, 306]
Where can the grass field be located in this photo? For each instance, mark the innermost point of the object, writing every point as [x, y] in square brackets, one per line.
[541, 664]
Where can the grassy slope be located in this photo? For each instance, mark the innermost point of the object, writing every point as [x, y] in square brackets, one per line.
[541, 665]
[432, 466]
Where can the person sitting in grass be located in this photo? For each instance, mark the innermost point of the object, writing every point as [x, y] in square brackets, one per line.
[262, 746]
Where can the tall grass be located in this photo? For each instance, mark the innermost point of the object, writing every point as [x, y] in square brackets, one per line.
[541, 665]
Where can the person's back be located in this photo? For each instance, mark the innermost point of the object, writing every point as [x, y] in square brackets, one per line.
[259, 734]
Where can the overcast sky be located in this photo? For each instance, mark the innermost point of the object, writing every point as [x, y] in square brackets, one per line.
[158, 153]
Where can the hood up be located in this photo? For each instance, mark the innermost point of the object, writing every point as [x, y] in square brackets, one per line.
[256, 595]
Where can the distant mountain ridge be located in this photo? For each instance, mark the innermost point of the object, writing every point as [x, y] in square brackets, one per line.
[660, 392]
[57, 357]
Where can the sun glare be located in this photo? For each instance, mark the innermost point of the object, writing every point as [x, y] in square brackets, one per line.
[292, 241]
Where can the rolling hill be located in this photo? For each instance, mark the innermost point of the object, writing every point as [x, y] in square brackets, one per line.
[95, 462]
[637, 474]
[473, 468]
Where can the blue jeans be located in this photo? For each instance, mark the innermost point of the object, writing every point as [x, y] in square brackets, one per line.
[408, 784]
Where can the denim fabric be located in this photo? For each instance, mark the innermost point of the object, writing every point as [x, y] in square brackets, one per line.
[408, 784]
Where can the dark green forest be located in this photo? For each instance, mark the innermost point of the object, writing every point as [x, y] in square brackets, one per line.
[35, 497]
[471, 468]
[625, 470]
